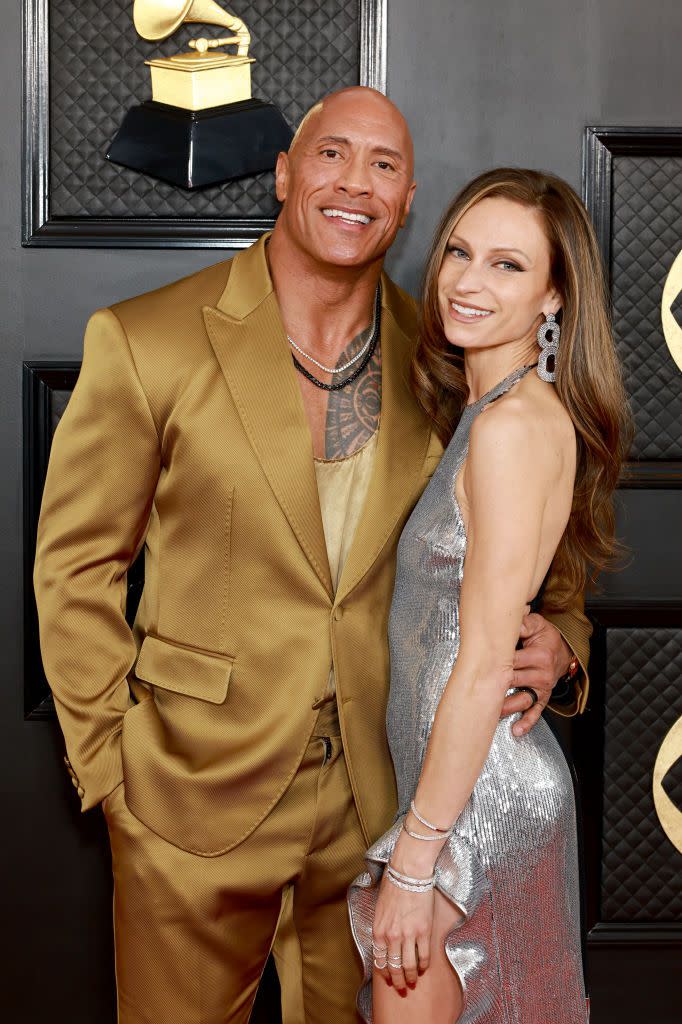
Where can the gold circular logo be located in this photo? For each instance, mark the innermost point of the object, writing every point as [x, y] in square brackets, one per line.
[670, 751]
[671, 310]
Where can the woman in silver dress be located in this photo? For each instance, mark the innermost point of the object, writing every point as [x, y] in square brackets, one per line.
[469, 909]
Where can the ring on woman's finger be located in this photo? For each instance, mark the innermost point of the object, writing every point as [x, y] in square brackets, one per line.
[378, 949]
[380, 966]
[395, 962]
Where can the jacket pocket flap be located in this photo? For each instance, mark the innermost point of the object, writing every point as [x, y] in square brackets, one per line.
[183, 670]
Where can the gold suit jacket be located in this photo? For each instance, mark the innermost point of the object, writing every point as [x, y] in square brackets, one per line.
[186, 434]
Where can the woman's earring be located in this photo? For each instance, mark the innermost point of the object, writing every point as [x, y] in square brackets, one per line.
[549, 346]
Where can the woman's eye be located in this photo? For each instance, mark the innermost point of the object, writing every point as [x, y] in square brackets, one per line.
[509, 265]
[458, 253]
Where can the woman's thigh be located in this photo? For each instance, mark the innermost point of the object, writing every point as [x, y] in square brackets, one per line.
[437, 996]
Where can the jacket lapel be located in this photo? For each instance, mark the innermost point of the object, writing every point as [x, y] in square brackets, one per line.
[249, 341]
[404, 433]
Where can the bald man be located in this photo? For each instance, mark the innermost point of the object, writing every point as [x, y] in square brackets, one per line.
[229, 424]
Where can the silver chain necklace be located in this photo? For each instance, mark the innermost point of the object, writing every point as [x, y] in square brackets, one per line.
[351, 362]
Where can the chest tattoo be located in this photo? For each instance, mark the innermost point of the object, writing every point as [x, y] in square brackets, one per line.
[353, 412]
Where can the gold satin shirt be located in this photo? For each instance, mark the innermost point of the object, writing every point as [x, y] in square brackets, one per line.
[342, 485]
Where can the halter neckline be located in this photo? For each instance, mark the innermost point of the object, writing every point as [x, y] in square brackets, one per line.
[499, 389]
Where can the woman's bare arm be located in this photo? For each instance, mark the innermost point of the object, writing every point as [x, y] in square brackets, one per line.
[507, 487]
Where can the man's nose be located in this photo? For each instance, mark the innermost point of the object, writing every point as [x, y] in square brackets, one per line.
[355, 178]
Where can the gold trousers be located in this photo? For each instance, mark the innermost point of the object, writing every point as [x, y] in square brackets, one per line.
[192, 934]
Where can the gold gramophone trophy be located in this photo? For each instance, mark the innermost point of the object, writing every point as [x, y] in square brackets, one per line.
[202, 125]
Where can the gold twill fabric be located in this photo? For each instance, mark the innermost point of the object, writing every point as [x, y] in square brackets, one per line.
[223, 911]
[186, 434]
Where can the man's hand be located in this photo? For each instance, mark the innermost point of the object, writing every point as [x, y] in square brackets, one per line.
[544, 658]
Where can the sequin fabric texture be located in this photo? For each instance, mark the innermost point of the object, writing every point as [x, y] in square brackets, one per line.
[511, 865]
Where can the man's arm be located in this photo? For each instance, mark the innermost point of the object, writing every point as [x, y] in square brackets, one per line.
[100, 484]
[576, 630]
[550, 641]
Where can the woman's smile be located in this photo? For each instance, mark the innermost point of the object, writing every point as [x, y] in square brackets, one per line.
[465, 313]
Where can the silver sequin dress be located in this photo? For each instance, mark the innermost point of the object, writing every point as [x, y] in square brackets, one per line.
[511, 865]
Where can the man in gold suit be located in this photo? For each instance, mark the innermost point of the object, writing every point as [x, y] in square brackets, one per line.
[235, 736]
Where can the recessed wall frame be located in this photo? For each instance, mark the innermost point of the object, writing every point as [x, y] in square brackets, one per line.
[632, 187]
[622, 673]
[42, 228]
[47, 387]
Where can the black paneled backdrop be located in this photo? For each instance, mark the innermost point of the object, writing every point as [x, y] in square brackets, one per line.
[647, 236]
[633, 189]
[641, 869]
[303, 49]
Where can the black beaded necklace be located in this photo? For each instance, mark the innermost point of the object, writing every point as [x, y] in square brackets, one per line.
[360, 367]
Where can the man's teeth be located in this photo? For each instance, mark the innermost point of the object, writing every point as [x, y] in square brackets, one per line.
[469, 311]
[352, 218]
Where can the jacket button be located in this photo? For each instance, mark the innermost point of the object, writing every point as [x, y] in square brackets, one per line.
[338, 614]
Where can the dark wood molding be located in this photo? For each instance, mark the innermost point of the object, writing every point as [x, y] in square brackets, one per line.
[609, 612]
[587, 751]
[600, 145]
[603, 934]
[39, 229]
[652, 475]
[40, 378]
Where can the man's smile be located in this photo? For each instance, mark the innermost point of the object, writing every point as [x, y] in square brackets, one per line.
[350, 217]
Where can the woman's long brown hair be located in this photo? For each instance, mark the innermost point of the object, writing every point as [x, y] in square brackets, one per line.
[588, 375]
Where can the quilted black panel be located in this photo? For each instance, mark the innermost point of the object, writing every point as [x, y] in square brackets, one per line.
[646, 238]
[303, 49]
[672, 783]
[58, 402]
[676, 309]
[641, 869]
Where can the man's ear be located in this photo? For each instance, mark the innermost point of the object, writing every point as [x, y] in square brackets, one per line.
[408, 203]
[282, 176]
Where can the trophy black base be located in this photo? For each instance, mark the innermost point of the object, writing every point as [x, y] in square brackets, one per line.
[196, 148]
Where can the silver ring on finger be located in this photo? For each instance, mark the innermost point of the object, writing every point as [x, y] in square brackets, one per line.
[380, 965]
[395, 962]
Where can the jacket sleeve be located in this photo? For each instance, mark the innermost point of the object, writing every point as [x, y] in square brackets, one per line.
[104, 466]
[576, 630]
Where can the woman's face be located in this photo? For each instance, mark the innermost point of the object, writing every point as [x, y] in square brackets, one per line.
[494, 281]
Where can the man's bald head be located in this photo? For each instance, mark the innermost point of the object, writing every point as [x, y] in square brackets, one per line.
[346, 184]
[363, 100]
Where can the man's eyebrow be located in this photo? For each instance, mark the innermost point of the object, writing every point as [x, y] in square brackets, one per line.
[387, 151]
[333, 138]
[342, 141]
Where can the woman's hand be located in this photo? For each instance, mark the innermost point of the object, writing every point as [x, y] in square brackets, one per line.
[403, 922]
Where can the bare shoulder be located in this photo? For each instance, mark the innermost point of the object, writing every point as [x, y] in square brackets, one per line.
[528, 430]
